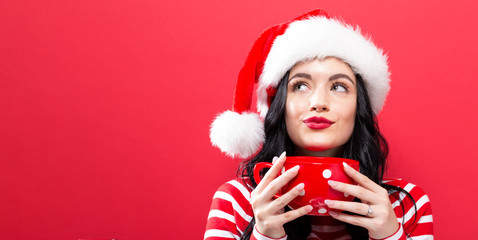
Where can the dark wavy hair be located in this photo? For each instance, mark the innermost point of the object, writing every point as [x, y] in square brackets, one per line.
[366, 145]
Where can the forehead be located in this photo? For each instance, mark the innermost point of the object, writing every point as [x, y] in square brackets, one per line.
[328, 64]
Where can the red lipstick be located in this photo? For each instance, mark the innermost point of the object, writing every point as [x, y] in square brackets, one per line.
[318, 122]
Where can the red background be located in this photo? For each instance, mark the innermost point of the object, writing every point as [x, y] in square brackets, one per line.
[106, 105]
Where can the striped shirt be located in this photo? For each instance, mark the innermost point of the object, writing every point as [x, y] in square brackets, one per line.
[231, 213]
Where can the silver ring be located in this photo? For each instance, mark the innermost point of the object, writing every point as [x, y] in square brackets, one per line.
[370, 210]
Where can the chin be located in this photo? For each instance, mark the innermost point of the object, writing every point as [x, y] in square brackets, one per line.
[322, 150]
[317, 148]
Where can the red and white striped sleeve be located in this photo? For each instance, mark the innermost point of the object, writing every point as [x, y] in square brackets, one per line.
[416, 223]
[230, 212]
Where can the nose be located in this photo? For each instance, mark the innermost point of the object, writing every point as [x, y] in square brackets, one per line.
[319, 108]
[319, 103]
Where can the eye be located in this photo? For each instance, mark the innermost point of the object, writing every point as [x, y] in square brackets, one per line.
[299, 86]
[338, 87]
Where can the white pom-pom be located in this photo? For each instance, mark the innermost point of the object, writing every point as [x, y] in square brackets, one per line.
[237, 134]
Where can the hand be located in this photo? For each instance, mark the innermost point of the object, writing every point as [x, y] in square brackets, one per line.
[375, 210]
[268, 211]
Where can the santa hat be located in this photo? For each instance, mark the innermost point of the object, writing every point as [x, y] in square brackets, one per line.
[240, 131]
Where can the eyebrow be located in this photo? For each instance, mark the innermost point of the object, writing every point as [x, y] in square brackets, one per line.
[331, 78]
[301, 75]
[341, 75]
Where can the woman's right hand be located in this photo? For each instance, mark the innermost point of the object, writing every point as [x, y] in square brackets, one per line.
[269, 211]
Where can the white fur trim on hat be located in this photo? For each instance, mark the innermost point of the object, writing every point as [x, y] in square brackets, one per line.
[320, 37]
[237, 134]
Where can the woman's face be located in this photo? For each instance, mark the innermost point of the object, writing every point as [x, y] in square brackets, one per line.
[320, 106]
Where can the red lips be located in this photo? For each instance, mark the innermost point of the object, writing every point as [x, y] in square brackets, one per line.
[318, 122]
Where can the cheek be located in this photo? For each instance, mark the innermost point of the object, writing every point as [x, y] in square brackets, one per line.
[349, 117]
[345, 109]
[292, 114]
[292, 110]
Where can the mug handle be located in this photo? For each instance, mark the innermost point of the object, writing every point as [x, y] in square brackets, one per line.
[257, 170]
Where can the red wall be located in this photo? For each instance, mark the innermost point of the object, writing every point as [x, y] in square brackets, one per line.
[106, 105]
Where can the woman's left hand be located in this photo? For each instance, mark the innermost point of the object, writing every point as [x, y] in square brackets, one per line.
[375, 212]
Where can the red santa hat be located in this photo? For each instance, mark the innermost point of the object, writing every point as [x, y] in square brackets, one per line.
[240, 131]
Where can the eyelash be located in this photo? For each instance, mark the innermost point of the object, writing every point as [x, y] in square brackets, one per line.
[295, 86]
[338, 84]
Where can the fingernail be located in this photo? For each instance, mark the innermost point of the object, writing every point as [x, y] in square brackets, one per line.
[295, 168]
[309, 208]
[345, 165]
[300, 187]
[333, 214]
[274, 159]
[329, 202]
[283, 154]
[332, 183]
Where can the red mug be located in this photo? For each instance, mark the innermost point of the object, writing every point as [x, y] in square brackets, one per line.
[314, 173]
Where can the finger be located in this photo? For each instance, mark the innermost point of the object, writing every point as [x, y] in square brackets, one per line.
[354, 190]
[361, 179]
[352, 219]
[272, 173]
[354, 207]
[294, 214]
[279, 182]
[285, 199]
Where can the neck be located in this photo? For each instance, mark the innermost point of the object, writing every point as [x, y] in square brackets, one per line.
[332, 152]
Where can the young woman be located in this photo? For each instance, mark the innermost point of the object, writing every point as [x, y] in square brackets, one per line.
[320, 84]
